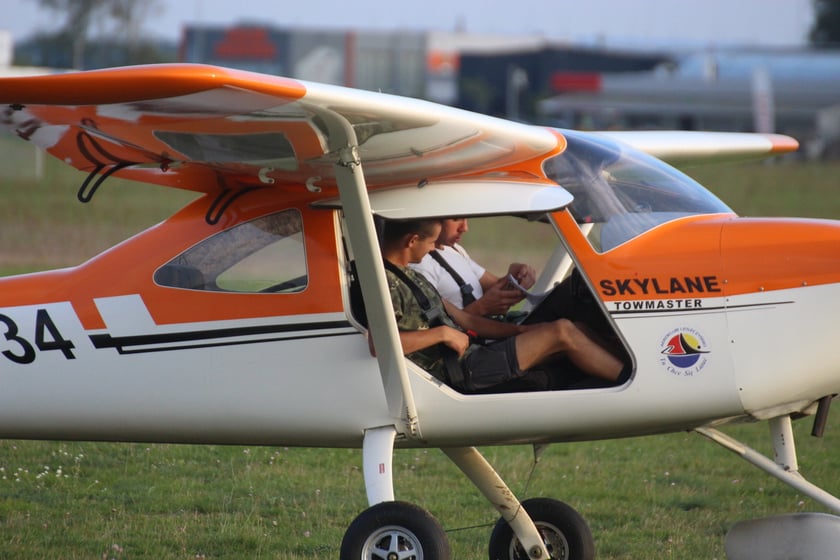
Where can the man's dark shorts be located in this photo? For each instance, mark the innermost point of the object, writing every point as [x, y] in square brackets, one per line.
[494, 368]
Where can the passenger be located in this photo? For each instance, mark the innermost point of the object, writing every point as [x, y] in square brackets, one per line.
[438, 336]
[467, 284]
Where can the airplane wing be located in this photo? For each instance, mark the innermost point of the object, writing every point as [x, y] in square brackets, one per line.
[683, 148]
[187, 126]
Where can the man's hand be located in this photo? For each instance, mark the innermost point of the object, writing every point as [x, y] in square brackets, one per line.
[524, 274]
[455, 339]
[497, 299]
[412, 341]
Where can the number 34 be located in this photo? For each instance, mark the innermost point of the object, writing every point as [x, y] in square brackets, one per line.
[22, 351]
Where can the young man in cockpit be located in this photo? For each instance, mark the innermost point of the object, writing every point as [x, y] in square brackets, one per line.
[439, 337]
[465, 283]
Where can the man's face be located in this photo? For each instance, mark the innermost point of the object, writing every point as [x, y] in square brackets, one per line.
[452, 231]
[422, 246]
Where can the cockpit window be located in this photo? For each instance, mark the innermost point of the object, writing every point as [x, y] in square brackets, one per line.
[623, 191]
[264, 255]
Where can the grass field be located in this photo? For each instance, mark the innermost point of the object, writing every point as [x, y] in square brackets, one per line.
[673, 496]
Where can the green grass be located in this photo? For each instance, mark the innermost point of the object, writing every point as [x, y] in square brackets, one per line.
[672, 496]
[775, 188]
[43, 225]
[669, 496]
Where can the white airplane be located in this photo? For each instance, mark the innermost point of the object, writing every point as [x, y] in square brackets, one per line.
[790, 91]
[238, 320]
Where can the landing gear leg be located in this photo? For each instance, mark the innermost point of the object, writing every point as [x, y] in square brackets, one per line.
[519, 537]
[785, 467]
[390, 530]
[377, 460]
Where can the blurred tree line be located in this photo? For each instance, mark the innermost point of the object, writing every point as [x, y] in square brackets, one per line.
[825, 31]
[95, 34]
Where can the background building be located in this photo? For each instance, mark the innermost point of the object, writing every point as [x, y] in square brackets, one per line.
[392, 62]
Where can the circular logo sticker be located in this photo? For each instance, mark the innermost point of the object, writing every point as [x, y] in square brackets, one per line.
[684, 351]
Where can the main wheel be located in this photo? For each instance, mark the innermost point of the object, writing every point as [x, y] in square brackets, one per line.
[395, 531]
[564, 532]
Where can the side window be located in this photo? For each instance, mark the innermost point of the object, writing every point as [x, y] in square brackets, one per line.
[264, 255]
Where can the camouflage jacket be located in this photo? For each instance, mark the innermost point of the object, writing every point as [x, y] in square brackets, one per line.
[410, 316]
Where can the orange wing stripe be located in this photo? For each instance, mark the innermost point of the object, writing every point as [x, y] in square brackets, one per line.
[123, 85]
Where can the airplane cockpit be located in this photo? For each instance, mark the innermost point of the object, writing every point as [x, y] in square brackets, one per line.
[616, 194]
[509, 222]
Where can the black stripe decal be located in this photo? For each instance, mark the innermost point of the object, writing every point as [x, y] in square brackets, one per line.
[753, 305]
[192, 339]
[681, 311]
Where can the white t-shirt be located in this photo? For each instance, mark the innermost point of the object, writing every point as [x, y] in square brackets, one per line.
[457, 257]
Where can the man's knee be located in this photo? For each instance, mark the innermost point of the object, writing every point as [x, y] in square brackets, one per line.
[564, 331]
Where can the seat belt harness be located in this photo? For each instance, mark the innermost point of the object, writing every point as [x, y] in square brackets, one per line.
[434, 316]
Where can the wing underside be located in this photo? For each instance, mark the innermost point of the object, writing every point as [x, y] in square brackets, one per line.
[187, 126]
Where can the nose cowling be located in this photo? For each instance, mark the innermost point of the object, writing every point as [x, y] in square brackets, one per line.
[774, 254]
[781, 280]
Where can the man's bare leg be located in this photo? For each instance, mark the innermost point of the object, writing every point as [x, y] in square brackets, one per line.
[537, 345]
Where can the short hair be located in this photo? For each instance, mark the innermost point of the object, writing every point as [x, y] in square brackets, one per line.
[397, 229]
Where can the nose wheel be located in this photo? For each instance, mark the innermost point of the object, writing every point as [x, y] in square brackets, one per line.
[563, 530]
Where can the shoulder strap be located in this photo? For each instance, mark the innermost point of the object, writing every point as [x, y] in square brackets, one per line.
[467, 296]
[433, 316]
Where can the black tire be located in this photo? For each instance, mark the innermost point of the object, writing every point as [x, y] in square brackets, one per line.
[564, 531]
[395, 531]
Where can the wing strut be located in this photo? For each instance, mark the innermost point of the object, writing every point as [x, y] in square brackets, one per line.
[362, 233]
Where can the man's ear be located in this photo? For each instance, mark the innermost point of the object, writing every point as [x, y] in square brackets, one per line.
[410, 239]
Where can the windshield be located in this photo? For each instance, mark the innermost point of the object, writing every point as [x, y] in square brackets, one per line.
[623, 191]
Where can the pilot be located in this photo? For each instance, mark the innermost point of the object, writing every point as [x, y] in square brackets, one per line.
[464, 282]
[439, 337]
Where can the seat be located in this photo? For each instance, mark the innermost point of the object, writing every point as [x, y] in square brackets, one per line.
[180, 276]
